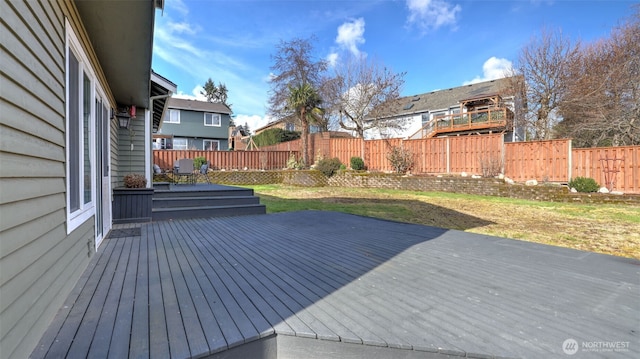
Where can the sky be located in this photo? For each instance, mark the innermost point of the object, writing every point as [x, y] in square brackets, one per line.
[440, 44]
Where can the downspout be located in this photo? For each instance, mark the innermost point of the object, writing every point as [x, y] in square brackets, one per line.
[147, 136]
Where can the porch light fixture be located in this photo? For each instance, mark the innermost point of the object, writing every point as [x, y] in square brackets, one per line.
[124, 118]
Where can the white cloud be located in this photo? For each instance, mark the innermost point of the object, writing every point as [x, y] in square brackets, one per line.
[493, 68]
[351, 35]
[432, 14]
[184, 46]
[332, 59]
[195, 94]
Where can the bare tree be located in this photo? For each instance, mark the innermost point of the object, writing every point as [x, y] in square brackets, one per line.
[363, 96]
[602, 104]
[544, 63]
[293, 66]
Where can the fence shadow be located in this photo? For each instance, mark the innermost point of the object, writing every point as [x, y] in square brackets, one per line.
[401, 210]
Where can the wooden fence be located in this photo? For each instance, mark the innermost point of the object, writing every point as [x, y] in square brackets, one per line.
[554, 161]
[539, 160]
[613, 167]
[230, 160]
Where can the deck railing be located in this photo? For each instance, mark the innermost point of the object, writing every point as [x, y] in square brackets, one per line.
[472, 120]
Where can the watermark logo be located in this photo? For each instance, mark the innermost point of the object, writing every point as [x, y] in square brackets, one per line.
[570, 346]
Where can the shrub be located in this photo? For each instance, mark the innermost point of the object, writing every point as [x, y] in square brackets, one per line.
[274, 136]
[357, 164]
[401, 159]
[198, 162]
[491, 165]
[328, 166]
[584, 184]
[135, 180]
[293, 163]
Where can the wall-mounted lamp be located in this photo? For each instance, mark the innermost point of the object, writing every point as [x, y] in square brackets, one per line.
[124, 117]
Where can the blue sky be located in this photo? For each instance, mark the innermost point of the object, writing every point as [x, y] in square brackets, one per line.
[439, 43]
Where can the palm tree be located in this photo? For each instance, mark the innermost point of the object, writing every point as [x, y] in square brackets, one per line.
[305, 101]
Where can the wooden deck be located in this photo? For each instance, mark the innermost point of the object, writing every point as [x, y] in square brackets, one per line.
[322, 284]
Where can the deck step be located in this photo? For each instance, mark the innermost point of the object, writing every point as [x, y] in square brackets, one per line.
[197, 201]
[201, 201]
[207, 211]
[174, 193]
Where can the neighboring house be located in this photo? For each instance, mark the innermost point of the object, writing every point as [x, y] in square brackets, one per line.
[194, 125]
[67, 68]
[470, 109]
[289, 123]
[238, 137]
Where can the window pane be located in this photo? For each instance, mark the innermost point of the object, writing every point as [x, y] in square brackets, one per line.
[179, 143]
[74, 134]
[86, 106]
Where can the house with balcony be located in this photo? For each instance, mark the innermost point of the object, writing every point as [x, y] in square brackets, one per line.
[478, 108]
[194, 125]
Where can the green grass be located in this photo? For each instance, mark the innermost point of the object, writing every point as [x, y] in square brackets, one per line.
[611, 229]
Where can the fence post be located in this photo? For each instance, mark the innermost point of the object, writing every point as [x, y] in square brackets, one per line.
[448, 156]
[570, 160]
[503, 151]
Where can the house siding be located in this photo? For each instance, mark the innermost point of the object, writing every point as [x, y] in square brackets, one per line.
[130, 160]
[192, 126]
[39, 261]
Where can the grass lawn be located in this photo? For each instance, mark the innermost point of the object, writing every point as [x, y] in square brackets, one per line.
[610, 229]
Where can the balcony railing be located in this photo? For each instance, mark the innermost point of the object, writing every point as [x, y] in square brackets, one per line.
[472, 120]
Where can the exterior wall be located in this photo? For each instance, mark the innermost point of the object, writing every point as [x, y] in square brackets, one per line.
[131, 149]
[39, 261]
[192, 126]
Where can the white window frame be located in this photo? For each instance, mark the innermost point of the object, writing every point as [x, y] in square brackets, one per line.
[204, 144]
[86, 210]
[180, 146]
[169, 118]
[213, 117]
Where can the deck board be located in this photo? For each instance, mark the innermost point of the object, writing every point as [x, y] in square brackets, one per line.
[199, 287]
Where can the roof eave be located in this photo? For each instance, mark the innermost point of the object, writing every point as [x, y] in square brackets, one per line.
[121, 33]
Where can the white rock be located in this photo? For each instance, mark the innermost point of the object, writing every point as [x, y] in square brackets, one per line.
[476, 176]
[501, 176]
[603, 190]
[439, 176]
[464, 174]
[531, 183]
[509, 180]
[573, 190]
[618, 193]
[246, 168]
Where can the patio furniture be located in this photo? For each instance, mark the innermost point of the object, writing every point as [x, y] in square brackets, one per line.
[184, 168]
[204, 170]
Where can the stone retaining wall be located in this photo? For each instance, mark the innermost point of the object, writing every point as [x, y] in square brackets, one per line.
[477, 186]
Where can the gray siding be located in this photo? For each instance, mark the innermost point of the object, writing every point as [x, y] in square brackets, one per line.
[131, 161]
[192, 125]
[39, 262]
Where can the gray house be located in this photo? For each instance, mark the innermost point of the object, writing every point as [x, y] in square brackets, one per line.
[69, 69]
[194, 125]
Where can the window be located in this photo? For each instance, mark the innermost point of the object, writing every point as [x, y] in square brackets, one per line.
[210, 145]
[180, 144]
[212, 119]
[290, 126]
[162, 144]
[81, 86]
[172, 116]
